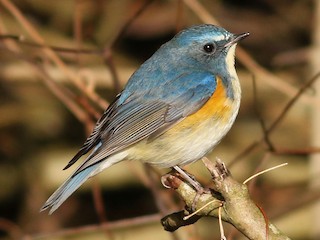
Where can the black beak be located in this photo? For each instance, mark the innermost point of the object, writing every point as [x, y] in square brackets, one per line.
[236, 38]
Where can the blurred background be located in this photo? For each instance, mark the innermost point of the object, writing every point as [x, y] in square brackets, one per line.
[63, 61]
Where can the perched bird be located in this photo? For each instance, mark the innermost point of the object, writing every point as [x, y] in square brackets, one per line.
[174, 109]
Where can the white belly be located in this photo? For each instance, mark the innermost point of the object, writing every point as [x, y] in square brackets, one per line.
[183, 147]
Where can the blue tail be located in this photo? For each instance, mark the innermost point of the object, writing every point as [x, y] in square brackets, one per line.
[67, 188]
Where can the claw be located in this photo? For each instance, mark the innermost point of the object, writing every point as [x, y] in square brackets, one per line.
[164, 181]
[189, 178]
[197, 186]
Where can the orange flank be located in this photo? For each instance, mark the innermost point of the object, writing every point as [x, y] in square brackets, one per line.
[217, 107]
[186, 140]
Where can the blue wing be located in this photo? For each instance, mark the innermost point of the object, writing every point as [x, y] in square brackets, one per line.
[144, 113]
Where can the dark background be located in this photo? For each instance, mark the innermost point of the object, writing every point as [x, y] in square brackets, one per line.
[41, 129]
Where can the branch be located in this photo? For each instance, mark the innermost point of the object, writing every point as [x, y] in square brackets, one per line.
[50, 54]
[120, 224]
[238, 208]
[279, 119]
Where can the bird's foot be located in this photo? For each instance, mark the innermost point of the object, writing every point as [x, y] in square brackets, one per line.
[196, 185]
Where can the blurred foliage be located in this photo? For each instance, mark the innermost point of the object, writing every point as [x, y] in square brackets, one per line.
[39, 134]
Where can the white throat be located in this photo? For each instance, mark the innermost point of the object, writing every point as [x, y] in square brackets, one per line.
[230, 60]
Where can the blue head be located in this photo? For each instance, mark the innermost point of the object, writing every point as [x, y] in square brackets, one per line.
[206, 47]
[203, 48]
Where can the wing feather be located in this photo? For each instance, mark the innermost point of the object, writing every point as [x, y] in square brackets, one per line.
[94, 137]
[147, 115]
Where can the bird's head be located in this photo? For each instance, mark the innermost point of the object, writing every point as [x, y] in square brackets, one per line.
[207, 47]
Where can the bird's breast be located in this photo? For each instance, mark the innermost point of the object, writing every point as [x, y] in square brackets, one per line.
[194, 136]
[217, 108]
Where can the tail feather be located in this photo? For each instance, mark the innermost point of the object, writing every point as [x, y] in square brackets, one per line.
[78, 178]
[67, 188]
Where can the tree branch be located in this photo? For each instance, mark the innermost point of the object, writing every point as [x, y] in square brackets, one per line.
[238, 208]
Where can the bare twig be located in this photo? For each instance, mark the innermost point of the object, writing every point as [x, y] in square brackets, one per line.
[13, 230]
[305, 199]
[238, 208]
[129, 21]
[8, 38]
[121, 224]
[158, 198]
[22, 40]
[260, 118]
[276, 122]
[293, 100]
[77, 25]
[98, 200]
[222, 236]
[99, 206]
[57, 49]
[51, 54]
[296, 152]
[107, 52]
[108, 59]
[264, 171]
[252, 183]
[153, 186]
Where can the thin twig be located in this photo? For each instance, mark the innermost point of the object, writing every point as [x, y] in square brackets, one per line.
[67, 97]
[129, 21]
[259, 115]
[261, 161]
[238, 207]
[304, 199]
[51, 54]
[107, 52]
[303, 152]
[121, 224]
[99, 205]
[276, 122]
[108, 59]
[12, 229]
[152, 183]
[10, 36]
[264, 171]
[77, 26]
[8, 42]
[292, 102]
[21, 40]
[98, 200]
[200, 209]
[222, 235]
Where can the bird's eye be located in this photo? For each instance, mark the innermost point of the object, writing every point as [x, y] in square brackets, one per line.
[209, 48]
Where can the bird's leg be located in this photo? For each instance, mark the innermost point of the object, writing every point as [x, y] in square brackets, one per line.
[189, 179]
[197, 186]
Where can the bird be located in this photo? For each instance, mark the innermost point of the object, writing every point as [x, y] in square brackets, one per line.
[175, 108]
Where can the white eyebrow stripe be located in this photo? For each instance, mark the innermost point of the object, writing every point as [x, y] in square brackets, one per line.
[216, 38]
[219, 38]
